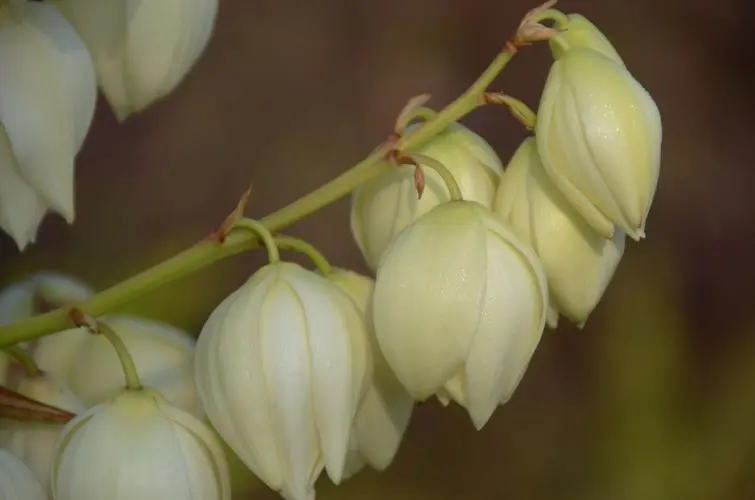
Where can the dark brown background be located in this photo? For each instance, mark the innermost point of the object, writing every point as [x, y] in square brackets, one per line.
[655, 399]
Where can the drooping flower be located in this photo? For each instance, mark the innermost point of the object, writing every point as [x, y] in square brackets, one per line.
[386, 409]
[163, 354]
[382, 208]
[34, 442]
[579, 263]
[47, 100]
[599, 137]
[137, 446]
[580, 33]
[141, 50]
[16, 480]
[459, 307]
[281, 366]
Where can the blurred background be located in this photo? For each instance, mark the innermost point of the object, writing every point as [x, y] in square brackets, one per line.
[654, 399]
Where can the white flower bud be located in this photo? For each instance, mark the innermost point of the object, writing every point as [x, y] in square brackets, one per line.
[141, 50]
[136, 446]
[16, 480]
[163, 355]
[382, 208]
[578, 262]
[580, 33]
[386, 409]
[281, 367]
[459, 304]
[34, 442]
[599, 138]
[45, 111]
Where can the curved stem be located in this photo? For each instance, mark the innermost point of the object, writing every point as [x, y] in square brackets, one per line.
[448, 179]
[24, 359]
[127, 362]
[560, 20]
[518, 108]
[206, 252]
[273, 255]
[299, 245]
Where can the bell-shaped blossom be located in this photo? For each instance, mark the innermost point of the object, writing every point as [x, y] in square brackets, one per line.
[386, 409]
[141, 50]
[599, 137]
[459, 307]
[580, 33]
[47, 99]
[578, 262]
[137, 446]
[34, 442]
[163, 355]
[383, 207]
[282, 365]
[16, 480]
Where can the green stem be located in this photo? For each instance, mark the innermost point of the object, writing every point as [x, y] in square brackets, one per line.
[127, 362]
[559, 19]
[299, 245]
[445, 174]
[273, 255]
[206, 252]
[518, 108]
[24, 359]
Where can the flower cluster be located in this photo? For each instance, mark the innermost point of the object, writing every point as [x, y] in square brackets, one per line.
[305, 371]
[135, 51]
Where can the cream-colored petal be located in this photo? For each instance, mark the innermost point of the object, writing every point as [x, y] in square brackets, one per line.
[230, 344]
[103, 28]
[512, 321]
[551, 139]
[427, 296]
[288, 375]
[16, 481]
[337, 377]
[21, 208]
[34, 110]
[204, 450]
[75, 68]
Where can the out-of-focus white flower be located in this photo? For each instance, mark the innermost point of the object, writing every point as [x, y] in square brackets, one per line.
[137, 446]
[40, 293]
[281, 366]
[599, 138]
[16, 480]
[47, 99]
[578, 262]
[141, 50]
[459, 307]
[386, 409]
[580, 33]
[35, 295]
[34, 442]
[382, 208]
[163, 355]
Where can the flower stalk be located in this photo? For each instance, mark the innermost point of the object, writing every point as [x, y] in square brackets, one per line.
[127, 362]
[301, 246]
[207, 252]
[24, 359]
